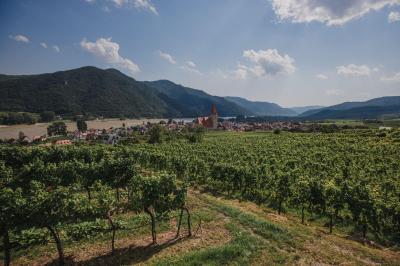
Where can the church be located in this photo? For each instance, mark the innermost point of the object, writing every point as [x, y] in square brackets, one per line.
[211, 121]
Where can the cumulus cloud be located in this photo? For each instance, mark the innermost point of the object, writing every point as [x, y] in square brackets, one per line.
[393, 17]
[20, 38]
[108, 50]
[167, 57]
[393, 78]
[43, 44]
[263, 64]
[321, 76]
[268, 63]
[56, 48]
[354, 70]
[241, 72]
[330, 12]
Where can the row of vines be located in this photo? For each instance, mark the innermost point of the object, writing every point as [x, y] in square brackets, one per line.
[352, 178]
[54, 189]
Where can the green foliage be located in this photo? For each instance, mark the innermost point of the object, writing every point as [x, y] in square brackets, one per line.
[56, 129]
[156, 133]
[196, 134]
[108, 93]
[47, 116]
[13, 118]
[81, 125]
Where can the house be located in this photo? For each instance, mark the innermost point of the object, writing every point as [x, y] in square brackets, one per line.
[63, 142]
[210, 121]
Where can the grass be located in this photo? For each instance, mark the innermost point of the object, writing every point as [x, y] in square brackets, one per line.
[238, 251]
[232, 232]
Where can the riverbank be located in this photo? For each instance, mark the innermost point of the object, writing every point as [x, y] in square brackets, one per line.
[39, 129]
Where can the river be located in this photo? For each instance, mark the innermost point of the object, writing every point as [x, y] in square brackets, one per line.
[39, 129]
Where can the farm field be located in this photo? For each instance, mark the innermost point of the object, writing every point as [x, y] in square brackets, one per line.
[238, 198]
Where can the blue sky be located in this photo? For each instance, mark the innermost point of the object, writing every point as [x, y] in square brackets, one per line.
[292, 52]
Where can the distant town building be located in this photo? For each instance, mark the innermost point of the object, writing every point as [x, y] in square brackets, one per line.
[63, 142]
[210, 121]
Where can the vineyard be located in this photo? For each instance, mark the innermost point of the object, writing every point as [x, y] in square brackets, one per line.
[347, 182]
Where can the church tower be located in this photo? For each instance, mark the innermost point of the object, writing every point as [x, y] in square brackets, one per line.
[214, 117]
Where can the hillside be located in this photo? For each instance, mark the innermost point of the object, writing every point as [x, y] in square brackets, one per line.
[364, 112]
[302, 109]
[83, 90]
[191, 102]
[262, 108]
[108, 93]
[376, 102]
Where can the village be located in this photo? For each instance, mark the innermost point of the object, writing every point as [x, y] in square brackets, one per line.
[115, 135]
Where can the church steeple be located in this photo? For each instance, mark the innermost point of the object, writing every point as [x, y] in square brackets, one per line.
[213, 110]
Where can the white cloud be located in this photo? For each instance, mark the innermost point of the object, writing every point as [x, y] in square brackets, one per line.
[393, 17]
[19, 38]
[146, 4]
[43, 44]
[56, 48]
[330, 12]
[190, 66]
[167, 57]
[265, 64]
[321, 76]
[241, 72]
[139, 4]
[393, 78]
[108, 50]
[354, 70]
[268, 63]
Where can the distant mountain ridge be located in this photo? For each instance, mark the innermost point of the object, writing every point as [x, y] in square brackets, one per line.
[109, 93]
[301, 109]
[357, 110]
[193, 102]
[262, 108]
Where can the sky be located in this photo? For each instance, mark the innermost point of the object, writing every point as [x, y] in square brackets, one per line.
[291, 52]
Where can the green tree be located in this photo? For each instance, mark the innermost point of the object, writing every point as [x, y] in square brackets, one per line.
[47, 116]
[56, 129]
[196, 134]
[156, 133]
[81, 125]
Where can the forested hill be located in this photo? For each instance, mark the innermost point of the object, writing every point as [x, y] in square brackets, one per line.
[262, 108]
[192, 102]
[108, 93]
[367, 109]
